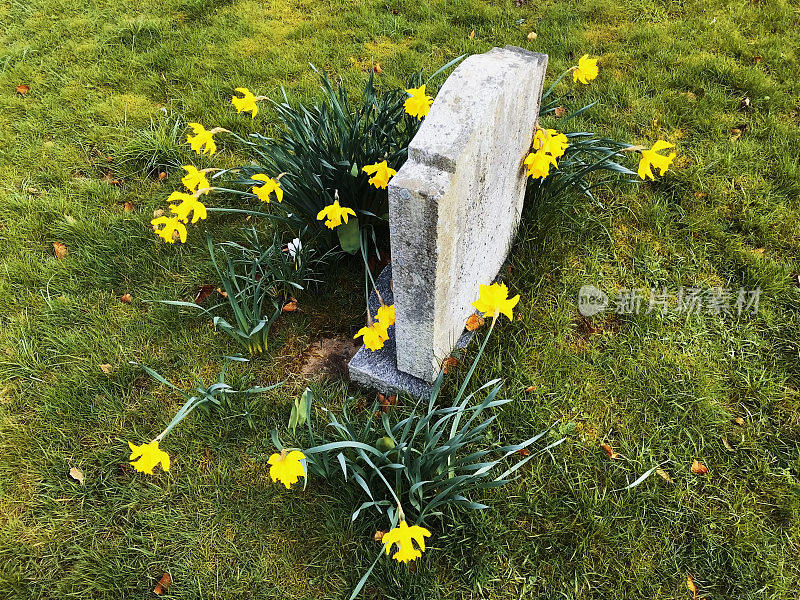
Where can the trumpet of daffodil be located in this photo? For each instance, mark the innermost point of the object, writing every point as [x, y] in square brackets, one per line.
[494, 301]
[270, 185]
[381, 174]
[402, 535]
[202, 137]
[247, 103]
[195, 180]
[335, 214]
[373, 336]
[385, 315]
[586, 69]
[538, 164]
[286, 467]
[188, 204]
[418, 103]
[651, 158]
[145, 457]
[171, 225]
[550, 142]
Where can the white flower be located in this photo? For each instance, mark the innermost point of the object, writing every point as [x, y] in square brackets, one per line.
[294, 247]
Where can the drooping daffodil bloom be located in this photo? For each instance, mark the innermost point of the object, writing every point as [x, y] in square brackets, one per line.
[385, 315]
[188, 205]
[287, 467]
[538, 164]
[381, 174]
[651, 158]
[405, 536]
[247, 103]
[195, 180]
[171, 226]
[586, 69]
[270, 186]
[494, 301]
[335, 214]
[202, 141]
[418, 104]
[550, 142]
[144, 458]
[374, 336]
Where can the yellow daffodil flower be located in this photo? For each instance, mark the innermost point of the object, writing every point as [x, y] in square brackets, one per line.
[202, 137]
[248, 102]
[145, 457]
[381, 174]
[586, 69]
[373, 336]
[402, 535]
[188, 204]
[195, 180]
[418, 103]
[270, 185]
[651, 158]
[550, 142]
[286, 467]
[494, 300]
[385, 315]
[171, 225]
[538, 164]
[335, 214]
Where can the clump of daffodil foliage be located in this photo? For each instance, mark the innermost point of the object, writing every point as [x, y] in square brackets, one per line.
[412, 464]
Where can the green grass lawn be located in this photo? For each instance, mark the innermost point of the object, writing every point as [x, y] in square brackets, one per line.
[659, 389]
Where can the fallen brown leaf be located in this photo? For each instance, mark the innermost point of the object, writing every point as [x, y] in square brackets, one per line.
[699, 468]
[692, 587]
[449, 364]
[664, 475]
[163, 584]
[290, 306]
[60, 250]
[739, 421]
[377, 68]
[105, 368]
[77, 475]
[204, 292]
[222, 292]
[387, 401]
[560, 111]
[530, 388]
[700, 194]
[378, 537]
[126, 298]
[128, 207]
[23, 89]
[757, 58]
[524, 452]
[159, 212]
[474, 322]
[611, 454]
[736, 134]
[162, 176]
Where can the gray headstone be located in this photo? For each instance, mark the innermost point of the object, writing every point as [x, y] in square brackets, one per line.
[455, 205]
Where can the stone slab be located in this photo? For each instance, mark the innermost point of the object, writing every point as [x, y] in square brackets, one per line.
[378, 369]
[455, 205]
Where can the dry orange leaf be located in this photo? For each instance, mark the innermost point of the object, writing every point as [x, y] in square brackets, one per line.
[126, 298]
[524, 452]
[699, 468]
[449, 363]
[739, 421]
[692, 587]
[162, 176]
[378, 537]
[290, 306]
[222, 292]
[611, 454]
[474, 322]
[377, 68]
[163, 584]
[387, 401]
[23, 89]
[530, 388]
[128, 207]
[560, 111]
[60, 250]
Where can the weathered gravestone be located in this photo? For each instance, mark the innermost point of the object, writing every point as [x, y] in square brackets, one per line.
[454, 208]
